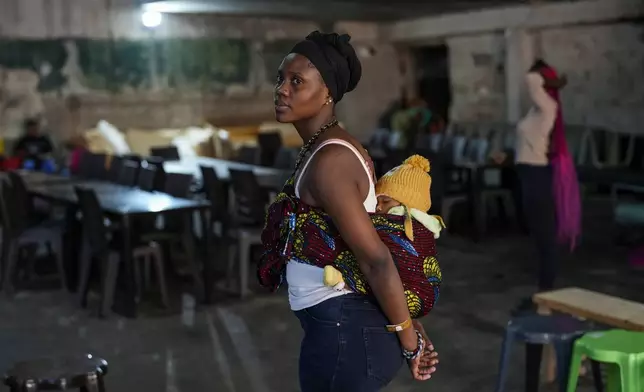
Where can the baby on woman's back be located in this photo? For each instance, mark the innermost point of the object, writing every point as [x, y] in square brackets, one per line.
[404, 191]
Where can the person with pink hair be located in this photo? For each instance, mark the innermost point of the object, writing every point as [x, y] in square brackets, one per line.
[549, 185]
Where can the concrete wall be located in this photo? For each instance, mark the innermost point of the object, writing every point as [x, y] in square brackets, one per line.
[599, 44]
[604, 65]
[605, 68]
[534, 16]
[477, 77]
[103, 64]
[381, 81]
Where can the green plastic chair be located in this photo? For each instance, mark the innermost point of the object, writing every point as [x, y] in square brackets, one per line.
[622, 350]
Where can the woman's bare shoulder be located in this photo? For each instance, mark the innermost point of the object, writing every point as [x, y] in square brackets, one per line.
[342, 134]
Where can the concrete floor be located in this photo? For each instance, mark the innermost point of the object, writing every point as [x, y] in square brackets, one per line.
[252, 345]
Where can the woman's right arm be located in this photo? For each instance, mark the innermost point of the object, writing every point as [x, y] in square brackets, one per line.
[537, 92]
[334, 181]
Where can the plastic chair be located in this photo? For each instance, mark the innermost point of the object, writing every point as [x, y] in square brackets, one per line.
[114, 170]
[146, 178]
[178, 227]
[216, 193]
[248, 154]
[167, 153]
[178, 184]
[624, 350]
[29, 164]
[269, 145]
[25, 208]
[48, 166]
[285, 158]
[159, 177]
[128, 173]
[97, 245]
[92, 166]
[18, 232]
[536, 331]
[248, 221]
[83, 372]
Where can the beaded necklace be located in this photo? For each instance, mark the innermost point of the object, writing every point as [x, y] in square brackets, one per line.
[306, 148]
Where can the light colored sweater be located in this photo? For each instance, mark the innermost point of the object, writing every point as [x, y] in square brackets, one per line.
[533, 131]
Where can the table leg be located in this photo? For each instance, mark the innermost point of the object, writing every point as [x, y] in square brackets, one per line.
[208, 273]
[128, 301]
[476, 201]
[72, 237]
[549, 365]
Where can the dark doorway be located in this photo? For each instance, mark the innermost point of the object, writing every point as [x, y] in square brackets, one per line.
[432, 68]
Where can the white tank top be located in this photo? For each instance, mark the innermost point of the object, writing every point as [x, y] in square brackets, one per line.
[306, 282]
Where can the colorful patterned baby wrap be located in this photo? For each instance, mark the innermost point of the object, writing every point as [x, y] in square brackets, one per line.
[299, 232]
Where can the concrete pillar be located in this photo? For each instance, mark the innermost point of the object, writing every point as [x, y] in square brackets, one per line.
[519, 54]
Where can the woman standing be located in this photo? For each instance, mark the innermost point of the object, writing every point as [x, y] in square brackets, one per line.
[548, 183]
[350, 343]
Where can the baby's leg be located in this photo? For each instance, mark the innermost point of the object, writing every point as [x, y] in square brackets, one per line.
[333, 278]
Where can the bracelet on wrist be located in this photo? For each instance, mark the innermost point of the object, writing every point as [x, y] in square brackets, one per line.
[411, 355]
[399, 327]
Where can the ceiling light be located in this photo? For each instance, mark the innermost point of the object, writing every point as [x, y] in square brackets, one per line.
[151, 19]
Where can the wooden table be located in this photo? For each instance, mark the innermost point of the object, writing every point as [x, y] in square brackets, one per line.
[123, 203]
[268, 177]
[602, 308]
[39, 178]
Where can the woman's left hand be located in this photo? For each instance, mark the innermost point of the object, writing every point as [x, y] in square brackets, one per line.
[429, 358]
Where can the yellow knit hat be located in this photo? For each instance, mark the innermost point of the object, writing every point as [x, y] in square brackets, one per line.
[408, 183]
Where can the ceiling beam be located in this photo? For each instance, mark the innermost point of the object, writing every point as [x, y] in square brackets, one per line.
[527, 17]
[329, 10]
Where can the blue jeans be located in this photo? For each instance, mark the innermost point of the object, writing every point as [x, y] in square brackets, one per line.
[346, 347]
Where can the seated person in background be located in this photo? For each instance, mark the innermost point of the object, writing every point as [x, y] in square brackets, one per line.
[77, 145]
[33, 145]
[402, 224]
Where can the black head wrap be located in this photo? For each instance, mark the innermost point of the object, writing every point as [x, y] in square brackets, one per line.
[334, 58]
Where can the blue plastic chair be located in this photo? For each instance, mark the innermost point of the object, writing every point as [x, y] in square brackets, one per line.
[29, 164]
[48, 166]
[535, 331]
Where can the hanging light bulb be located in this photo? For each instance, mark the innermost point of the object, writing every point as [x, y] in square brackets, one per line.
[151, 19]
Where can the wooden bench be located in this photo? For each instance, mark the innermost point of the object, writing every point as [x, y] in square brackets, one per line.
[602, 308]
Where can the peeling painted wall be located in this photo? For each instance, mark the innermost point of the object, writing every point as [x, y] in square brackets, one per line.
[78, 65]
[93, 59]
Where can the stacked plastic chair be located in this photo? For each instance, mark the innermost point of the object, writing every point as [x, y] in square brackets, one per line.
[622, 351]
[536, 331]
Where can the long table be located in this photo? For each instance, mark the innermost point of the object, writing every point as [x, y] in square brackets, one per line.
[268, 177]
[116, 199]
[32, 178]
[124, 203]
